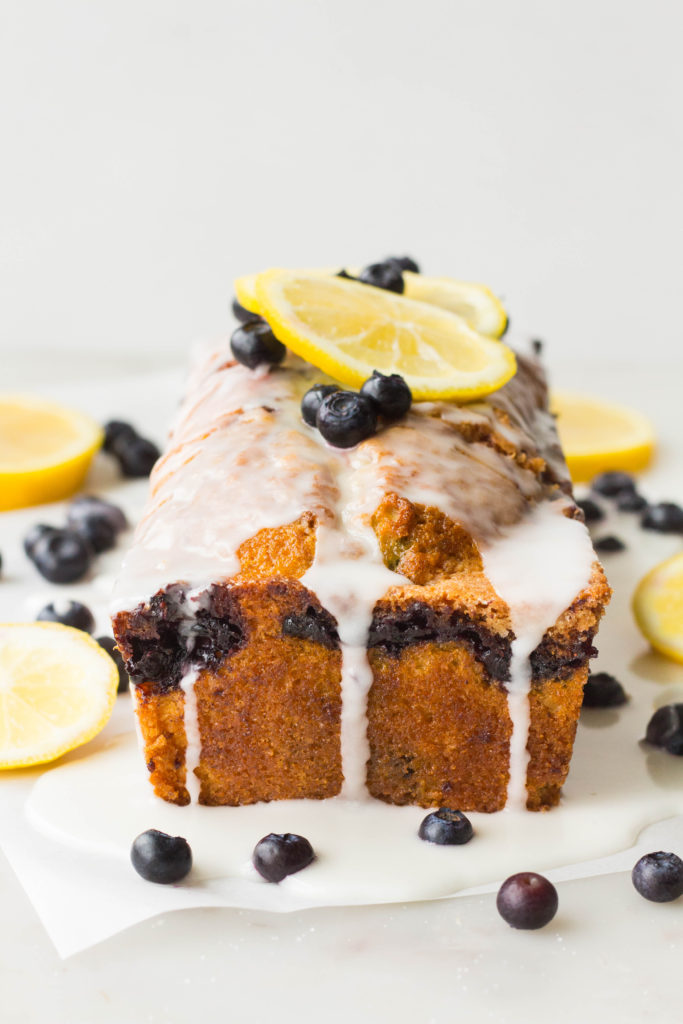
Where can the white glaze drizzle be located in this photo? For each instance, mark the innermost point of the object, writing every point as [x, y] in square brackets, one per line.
[193, 750]
[240, 459]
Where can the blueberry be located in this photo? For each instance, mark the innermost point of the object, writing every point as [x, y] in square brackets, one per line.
[527, 900]
[159, 857]
[664, 517]
[34, 535]
[310, 403]
[613, 483]
[659, 877]
[61, 556]
[345, 418]
[602, 690]
[536, 343]
[344, 274]
[242, 314]
[446, 827]
[276, 856]
[390, 393]
[383, 275]
[115, 431]
[665, 729]
[591, 510]
[254, 344]
[109, 645]
[609, 543]
[631, 501]
[404, 263]
[88, 505]
[69, 613]
[97, 521]
[137, 457]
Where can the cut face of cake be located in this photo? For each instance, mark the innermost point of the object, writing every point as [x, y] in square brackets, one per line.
[410, 619]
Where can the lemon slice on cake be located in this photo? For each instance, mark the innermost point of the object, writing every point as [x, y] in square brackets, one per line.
[45, 450]
[348, 330]
[57, 691]
[475, 303]
[597, 436]
[658, 607]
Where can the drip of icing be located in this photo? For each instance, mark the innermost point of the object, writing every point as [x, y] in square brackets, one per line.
[349, 577]
[538, 568]
[193, 749]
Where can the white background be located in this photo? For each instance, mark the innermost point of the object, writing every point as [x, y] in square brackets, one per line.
[150, 150]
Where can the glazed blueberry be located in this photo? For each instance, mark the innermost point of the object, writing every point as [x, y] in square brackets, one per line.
[137, 457]
[665, 729]
[404, 263]
[345, 418]
[386, 275]
[34, 535]
[390, 393]
[527, 900]
[242, 314]
[276, 856]
[161, 858]
[446, 827]
[61, 556]
[591, 510]
[602, 690]
[609, 543]
[310, 403]
[69, 613]
[666, 517]
[254, 344]
[116, 431]
[631, 501]
[659, 877]
[109, 645]
[613, 483]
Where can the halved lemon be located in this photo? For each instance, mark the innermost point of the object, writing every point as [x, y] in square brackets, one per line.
[57, 691]
[475, 303]
[349, 329]
[658, 607]
[597, 436]
[45, 450]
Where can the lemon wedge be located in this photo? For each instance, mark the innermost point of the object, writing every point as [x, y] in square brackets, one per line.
[597, 436]
[658, 607]
[45, 450]
[57, 691]
[348, 330]
[475, 303]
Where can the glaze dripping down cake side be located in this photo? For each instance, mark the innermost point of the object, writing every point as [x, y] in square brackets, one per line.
[410, 619]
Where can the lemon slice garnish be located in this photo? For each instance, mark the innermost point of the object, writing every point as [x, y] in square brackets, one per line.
[597, 436]
[348, 330]
[57, 691]
[658, 607]
[45, 450]
[475, 303]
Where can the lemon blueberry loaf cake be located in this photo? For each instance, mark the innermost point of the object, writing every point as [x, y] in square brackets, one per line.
[340, 593]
